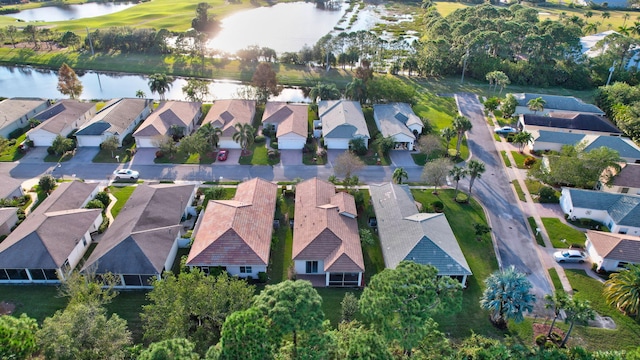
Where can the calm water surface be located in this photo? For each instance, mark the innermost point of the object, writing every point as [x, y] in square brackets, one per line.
[70, 12]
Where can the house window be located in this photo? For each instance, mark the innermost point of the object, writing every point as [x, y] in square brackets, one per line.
[624, 190]
[245, 270]
[312, 267]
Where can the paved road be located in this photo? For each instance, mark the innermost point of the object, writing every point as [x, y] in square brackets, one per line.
[514, 242]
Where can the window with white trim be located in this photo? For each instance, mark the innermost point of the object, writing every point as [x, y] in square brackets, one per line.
[245, 270]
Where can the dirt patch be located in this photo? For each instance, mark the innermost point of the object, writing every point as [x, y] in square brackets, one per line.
[7, 308]
[543, 329]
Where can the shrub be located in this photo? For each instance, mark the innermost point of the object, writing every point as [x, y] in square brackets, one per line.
[259, 139]
[529, 161]
[274, 144]
[438, 206]
[548, 195]
[95, 204]
[273, 154]
[541, 339]
[357, 145]
[262, 277]
[104, 225]
[50, 151]
[47, 183]
[159, 154]
[214, 193]
[103, 197]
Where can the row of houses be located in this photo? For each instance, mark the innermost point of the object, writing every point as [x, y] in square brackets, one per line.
[340, 121]
[231, 235]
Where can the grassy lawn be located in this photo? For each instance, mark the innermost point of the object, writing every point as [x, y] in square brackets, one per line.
[282, 241]
[519, 191]
[331, 298]
[373, 260]
[555, 279]
[259, 156]
[481, 258]
[104, 156]
[12, 153]
[519, 157]
[558, 230]
[507, 162]
[532, 224]
[628, 330]
[57, 158]
[184, 158]
[122, 194]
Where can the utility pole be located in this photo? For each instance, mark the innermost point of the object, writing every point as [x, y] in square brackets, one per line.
[464, 65]
[90, 42]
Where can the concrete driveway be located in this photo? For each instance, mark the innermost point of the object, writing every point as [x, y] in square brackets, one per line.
[290, 157]
[232, 158]
[333, 154]
[85, 155]
[402, 158]
[144, 156]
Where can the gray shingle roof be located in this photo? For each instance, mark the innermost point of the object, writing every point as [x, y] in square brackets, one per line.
[141, 237]
[624, 146]
[406, 234]
[117, 116]
[567, 103]
[9, 186]
[629, 176]
[342, 119]
[585, 122]
[623, 209]
[559, 137]
[15, 108]
[393, 119]
[56, 118]
[611, 246]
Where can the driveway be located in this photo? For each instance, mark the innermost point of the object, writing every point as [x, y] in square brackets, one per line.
[333, 154]
[85, 155]
[402, 158]
[144, 156]
[232, 158]
[290, 157]
[515, 245]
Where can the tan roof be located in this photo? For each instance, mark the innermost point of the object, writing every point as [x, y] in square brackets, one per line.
[180, 113]
[238, 231]
[325, 227]
[225, 114]
[12, 109]
[612, 246]
[289, 118]
[629, 176]
[64, 112]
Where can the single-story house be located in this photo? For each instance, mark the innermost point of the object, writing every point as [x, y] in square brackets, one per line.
[143, 240]
[342, 121]
[620, 213]
[8, 219]
[555, 104]
[290, 122]
[183, 114]
[612, 252]
[52, 240]
[225, 114]
[16, 112]
[117, 118]
[326, 241]
[10, 187]
[568, 123]
[235, 235]
[407, 234]
[398, 121]
[551, 140]
[627, 181]
[60, 119]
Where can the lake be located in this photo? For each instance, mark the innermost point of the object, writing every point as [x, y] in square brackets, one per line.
[70, 12]
[32, 82]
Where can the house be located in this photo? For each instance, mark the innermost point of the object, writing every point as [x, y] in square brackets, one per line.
[225, 114]
[8, 219]
[620, 213]
[143, 240]
[60, 119]
[16, 112]
[626, 181]
[290, 123]
[612, 252]
[342, 121]
[407, 234]
[326, 241]
[117, 118]
[181, 114]
[555, 104]
[627, 149]
[398, 120]
[545, 140]
[567, 123]
[552, 140]
[52, 240]
[10, 188]
[235, 235]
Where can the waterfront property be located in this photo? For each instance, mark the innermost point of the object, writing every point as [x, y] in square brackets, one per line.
[170, 116]
[225, 114]
[342, 121]
[398, 120]
[60, 119]
[288, 122]
[117, 118]
[16, 112]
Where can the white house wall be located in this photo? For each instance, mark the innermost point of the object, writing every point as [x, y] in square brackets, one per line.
[618, 190]
[228, 143]
[541, 146]
[336, 144]
[301, 267]
[79, 250]
[89, 140]
[144, 142]
[255, 269]
[291, 142]
[42, 137]
[415, 127]
[168, 264]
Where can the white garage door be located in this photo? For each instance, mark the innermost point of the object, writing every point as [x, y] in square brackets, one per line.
[290, 144]
[87, 141]
[228, 144]
[336, 144]
[143, 142]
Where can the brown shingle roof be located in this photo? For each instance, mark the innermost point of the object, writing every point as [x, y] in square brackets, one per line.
[612, 246]
[629, 176]
[180, 113]
[289, 118]
[238, 231]
[323, 231]
[56, 118]
[225, 114]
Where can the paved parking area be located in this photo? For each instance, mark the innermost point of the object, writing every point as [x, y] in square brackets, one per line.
[232, 158]
[402, 158]
[333, 154]
[144, 156]
[290, 157]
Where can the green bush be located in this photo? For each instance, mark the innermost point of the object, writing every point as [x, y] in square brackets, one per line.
[437, 206]
[529, 161]
[548, 195]
[262, 277]
[274, 144]
[541, 339]
[259, 139]
[95, 204]
[128, 140]
[214, 193]
[103, 197]
[105, 224]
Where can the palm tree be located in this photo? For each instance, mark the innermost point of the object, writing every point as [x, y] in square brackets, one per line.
[557, 302]
[521, 139]
[605, 15]
[448, 134]
[212, 134]
[475, 169]
[399, 174]
[624, 30]
[457, 173]
[626, 17]
[244, 135]
[577, 311]
[622, 290]
[536, 104]
[590, 28]
[461, 124]
[587, 14]
[159, 83]
[356, 90]
[507, 296]
[140, 94]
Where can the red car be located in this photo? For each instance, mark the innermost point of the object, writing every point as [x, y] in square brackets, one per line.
[222, 155]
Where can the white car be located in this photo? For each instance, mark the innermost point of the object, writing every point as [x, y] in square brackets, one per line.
[126, 174]
[505, 130]
[576, 256]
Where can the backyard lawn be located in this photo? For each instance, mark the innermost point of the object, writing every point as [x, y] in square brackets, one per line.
[12, 153]
[558, 231]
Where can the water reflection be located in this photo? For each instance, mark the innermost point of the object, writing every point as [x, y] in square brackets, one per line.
[70, 12]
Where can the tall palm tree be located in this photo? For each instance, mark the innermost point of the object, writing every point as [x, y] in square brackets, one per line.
[557, 302]
[140, 94]
[591, 28]
[522, 139]
[212, 134]
[507, 296]
[356, 90]
[457, 173]
[448, 134]
[622, 290]
[475, 169]
[587, 14]
[244, 135]
[159, 83]
[577, 311]
[399, 174]
[461, 125]
[536, 104]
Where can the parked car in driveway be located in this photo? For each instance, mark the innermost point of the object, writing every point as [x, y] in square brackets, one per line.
[570, 255]
[222, 155]
[126, 174]
[505, 130]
